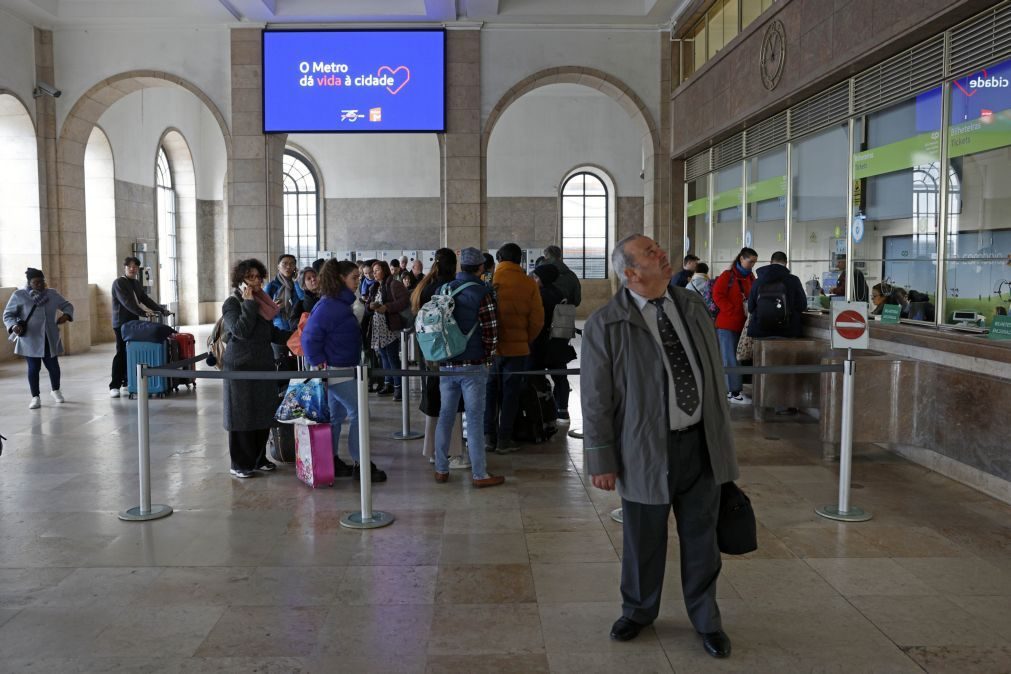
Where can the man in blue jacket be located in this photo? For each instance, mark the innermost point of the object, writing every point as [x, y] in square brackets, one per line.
[777, 301]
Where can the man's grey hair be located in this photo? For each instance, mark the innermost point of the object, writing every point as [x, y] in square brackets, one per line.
[553, 253]
[620, 260]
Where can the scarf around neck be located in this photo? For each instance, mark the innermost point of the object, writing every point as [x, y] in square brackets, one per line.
[264, 305]
[39, 297]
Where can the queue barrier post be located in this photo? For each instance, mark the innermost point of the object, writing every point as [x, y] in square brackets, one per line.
[145, 511]
[845, 511]
[366, 518]
[405, 432]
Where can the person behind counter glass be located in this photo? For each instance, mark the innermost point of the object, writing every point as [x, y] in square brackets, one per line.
[859, 282]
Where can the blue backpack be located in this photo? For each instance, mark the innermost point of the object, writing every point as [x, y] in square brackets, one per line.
[439, 335]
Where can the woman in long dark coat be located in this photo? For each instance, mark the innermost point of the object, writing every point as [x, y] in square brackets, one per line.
[250, 405]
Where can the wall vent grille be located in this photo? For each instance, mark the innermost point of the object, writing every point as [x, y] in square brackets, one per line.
[820, 111]
[766, 134]
[899, 77]
[697, 165]
[984, 39]
[729, 151]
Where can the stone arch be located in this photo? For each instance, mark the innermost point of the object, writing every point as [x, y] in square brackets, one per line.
[69, 247]
[100, 206]
[618, 91]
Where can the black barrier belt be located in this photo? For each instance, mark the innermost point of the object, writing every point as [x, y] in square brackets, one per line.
[248, 374]
[441, 373]
[183, 363]
[784, 369]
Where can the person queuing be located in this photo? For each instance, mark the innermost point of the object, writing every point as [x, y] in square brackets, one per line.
[249, 321]
[547, 352]
[475, 313]
[332, 338]
[703, 286]
[777, 301]
[418, 269]
[282, 290]
[387, 298]
[443, 271]
[520, 319]
[730, 292]
[129, 302]
[488, 274]
[308, 282]
[568, 282]
[684, 276]
[660, 435]
[32, 317]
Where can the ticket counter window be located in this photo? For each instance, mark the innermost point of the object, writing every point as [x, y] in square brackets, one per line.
[818, 239]
[766, 204]
[727, 235]
[977, 255]
[897, 205]
[697, 219]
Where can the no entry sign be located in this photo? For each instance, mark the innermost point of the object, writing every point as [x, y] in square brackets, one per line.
[849, 325]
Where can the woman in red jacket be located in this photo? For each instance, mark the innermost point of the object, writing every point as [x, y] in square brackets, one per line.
[730, 293]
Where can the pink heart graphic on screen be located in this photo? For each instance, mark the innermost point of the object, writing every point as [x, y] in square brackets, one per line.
[971, 93]
[393, 73]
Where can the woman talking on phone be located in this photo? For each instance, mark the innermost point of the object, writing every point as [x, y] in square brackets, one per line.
[249, 404]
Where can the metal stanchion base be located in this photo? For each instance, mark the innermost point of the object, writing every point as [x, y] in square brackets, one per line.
[616, 516]
[832, 512]
[409, 435]
[354, 520]
[135, 515]
[576, 433]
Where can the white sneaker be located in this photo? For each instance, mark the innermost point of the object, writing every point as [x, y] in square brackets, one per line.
[35, 404]
[459, 462]
[114, 393]
[739, 399]
[57, 396]
[124, 390]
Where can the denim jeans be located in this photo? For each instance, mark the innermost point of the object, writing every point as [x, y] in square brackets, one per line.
[389, 356]
[728, 350]
[343, 402]
[503, 396]
[35, 367]
[471, 385]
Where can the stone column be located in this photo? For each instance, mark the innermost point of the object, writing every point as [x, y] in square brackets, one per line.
[461, 159]
[255, 209]
[61, 205]
[662, 198]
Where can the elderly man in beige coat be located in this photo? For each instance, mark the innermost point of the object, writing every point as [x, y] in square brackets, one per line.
[661, 435]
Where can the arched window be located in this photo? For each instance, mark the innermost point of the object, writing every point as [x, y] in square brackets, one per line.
[585, 225]
[301, 208]
[168, 258]
[20, 224]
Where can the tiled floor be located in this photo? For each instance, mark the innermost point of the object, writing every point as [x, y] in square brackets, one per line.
[258, 575]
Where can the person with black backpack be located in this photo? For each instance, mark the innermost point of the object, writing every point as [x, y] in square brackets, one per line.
[777, 301]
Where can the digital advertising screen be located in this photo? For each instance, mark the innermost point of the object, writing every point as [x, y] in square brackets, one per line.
[354, 81]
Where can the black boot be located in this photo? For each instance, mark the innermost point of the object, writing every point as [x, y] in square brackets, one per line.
[397, 394]
[386, 390]
[377, 475]
[341, 469]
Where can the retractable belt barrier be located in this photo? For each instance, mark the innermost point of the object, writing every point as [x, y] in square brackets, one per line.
[366, 518]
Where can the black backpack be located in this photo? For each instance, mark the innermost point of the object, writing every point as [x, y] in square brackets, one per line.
[536, 415]
[772, 311]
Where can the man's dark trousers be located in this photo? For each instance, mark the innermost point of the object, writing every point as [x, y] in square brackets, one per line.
[695, 497]
[119, 377]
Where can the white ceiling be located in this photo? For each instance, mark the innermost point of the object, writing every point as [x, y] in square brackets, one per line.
[73, 13]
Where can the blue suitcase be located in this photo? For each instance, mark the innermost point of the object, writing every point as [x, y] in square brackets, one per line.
[148, 353]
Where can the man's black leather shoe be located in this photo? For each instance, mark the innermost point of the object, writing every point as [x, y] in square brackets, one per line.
[717, 644]
[625, 629]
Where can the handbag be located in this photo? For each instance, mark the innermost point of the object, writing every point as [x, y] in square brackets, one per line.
[745, 345]
[304, 401]
[11, 337]
[736, 531]
[295, 341]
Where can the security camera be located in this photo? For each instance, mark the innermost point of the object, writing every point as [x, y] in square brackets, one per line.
[642, 175]
[43, 89]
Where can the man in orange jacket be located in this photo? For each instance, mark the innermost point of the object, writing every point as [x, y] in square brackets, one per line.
[520, 319]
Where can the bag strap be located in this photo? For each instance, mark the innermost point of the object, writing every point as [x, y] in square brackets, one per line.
[29, 316]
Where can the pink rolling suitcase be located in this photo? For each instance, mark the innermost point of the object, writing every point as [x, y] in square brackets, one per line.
[314, 455]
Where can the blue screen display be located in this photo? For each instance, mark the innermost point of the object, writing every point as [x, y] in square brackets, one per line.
[354, 81]
[977, 95]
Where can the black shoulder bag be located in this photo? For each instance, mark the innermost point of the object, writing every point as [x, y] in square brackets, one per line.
[22, 324]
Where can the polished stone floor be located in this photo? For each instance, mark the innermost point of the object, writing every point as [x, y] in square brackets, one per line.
[258, 576]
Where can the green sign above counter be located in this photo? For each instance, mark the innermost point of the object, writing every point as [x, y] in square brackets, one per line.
[727, 199]
[1001, 328]
[773, 188]
[916, 151]
[989, 132]
[697, 207]
[890, 314]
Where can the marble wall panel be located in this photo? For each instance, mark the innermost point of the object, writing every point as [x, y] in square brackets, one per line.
[383, 223]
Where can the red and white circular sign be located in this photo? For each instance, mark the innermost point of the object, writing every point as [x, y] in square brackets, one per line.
[850, 325]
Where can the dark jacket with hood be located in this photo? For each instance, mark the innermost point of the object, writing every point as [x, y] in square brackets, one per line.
[796, 300]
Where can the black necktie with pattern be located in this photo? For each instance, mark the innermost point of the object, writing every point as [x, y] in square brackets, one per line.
[686, 389]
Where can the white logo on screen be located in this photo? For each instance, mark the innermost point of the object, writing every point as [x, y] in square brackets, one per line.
[350, 115]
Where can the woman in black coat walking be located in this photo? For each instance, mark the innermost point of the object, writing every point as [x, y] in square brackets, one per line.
[249, 404]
